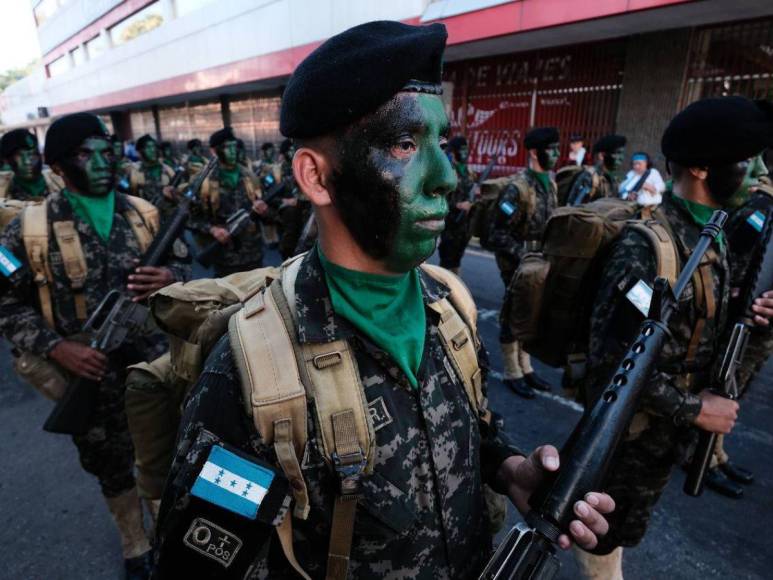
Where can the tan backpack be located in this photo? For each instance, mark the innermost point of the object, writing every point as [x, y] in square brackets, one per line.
[10, 208]
[483, 214]
[278, 375]
[567, 175]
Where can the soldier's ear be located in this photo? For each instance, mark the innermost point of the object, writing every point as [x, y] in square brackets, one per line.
[699, 173]
[312, 168]
[57, 170]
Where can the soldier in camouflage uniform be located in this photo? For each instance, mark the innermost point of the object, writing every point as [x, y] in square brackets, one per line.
[708, 159]
[227, 190]
[26, 181]
[456, 235]
[168, 156]
[521, 213]
[749, 208]
[194, 161]
[78, 148]
[601, 179]
[123, 164]
[150, 177]
[421, 513]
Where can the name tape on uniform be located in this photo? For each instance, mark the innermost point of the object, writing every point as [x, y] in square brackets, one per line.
[640, 296]
[756, 220]
[8, 262]
[232, 482]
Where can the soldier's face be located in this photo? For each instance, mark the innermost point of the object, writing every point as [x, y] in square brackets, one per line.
[548, 157]
[228, 153]
[150, 151]
[196, 150]
[755, 169]
[268, 154]
[614, 160]
[118, 149]
[724, 181]
[91, 170]
[392, 179]
[27, 162]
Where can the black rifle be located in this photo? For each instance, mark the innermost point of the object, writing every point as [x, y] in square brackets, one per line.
[528, 551]
[470, 196]
[239, 220]
[177, 178]
[116, 318]
[760, 280]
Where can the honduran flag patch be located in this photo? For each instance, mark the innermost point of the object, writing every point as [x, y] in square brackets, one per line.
[756, 220]
[232, 482]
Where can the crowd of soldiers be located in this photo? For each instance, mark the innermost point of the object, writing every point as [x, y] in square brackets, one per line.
[348, 385]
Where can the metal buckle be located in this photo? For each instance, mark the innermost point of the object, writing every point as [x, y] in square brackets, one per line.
[349, 468]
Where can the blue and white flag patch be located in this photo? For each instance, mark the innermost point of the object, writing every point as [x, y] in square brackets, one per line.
[232, 482]
[8, 262]
[756, 220]
[507, 207]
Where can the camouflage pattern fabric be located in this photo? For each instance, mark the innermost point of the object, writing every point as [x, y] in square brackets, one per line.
[152, 187]
[607, 185]
[244, 251]
[642, 467]
[507, 233]
[422, 513]
[456, 235]
[105, 450]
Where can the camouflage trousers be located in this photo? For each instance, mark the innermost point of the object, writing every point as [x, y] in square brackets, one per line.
[636, 480]
[453, 243]
[507, 265]
[106, 450]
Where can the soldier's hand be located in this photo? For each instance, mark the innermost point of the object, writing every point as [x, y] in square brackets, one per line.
[763, 309]
[79, 359]
[169, 192]
[464, 206]
[260, 207]
[147, 279]
[290, 202]
[220, 234]
[718, 414]
[522, 476]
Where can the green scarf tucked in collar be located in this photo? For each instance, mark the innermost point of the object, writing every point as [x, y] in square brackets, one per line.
[542, 178]
[154, 171]
[389, 310]
[229, 178]
[96, 211]
[36, 188]
[461, 169]
[701, 214]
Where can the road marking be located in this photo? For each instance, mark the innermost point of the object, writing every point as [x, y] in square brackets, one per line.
[545, 395]
[480, 253]
[487, 314]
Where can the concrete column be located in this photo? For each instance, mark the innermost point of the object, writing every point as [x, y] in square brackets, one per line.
[85, 52]
[653, 80]
[105, 34]
[169, 9]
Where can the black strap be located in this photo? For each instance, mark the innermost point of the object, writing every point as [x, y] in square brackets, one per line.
[640, 183]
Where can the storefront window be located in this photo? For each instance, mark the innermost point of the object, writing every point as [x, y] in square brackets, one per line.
[137, 24]
[96, 46]
[44, 11]
[58, 66]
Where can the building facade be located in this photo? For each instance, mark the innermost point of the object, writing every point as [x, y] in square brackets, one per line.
[180, 69]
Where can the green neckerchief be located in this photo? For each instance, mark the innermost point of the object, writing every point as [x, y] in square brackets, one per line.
[229, 178]
[542, 178]
[36, 188]
[95, 211]
[701, 214]
[153, 170]
[389, 310]
[196, 159]
[461, 169]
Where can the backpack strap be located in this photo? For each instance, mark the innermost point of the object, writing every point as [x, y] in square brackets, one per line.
[136, 178]
[6, 178]
[143, 218]
[34, 231]
[662, 242]
[74, 262]
[54, 182]
[210, 195]
[459, 333]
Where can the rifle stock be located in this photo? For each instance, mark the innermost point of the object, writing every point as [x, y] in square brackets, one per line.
[115, 319]
[587, 454]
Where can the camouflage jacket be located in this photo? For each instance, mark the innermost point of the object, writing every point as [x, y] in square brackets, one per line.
[11, 189]
[606, 185]
[147, 186]
[422, 513]
[614, 321]
[458, 195]
[108, 263]
[517, 220]
[218, 204]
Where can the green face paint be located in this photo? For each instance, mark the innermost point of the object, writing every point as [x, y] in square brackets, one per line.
[94, 165]
[393, 178]
[268, 155]
[118, 149]
[28, 162]
[614, 161]
[150, 152]
[548, 157]
[756, 168]
[228, 153]
[464, 154]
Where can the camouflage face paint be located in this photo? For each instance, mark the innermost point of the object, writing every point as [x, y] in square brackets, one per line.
[392, 179]
[91, 169]
[548, 157]
[150, 152]
[756, 168]
[614, 161]
[724, 181]
[228, 153]
[27, 162]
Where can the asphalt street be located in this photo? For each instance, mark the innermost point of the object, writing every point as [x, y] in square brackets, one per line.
[54, 524]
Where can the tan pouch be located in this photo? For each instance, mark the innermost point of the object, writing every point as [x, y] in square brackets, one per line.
[43, 374]
[526, 291]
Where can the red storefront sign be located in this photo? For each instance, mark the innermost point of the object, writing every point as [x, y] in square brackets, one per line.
[497, 100]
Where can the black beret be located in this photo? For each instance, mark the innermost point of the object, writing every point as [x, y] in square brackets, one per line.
[67, 133]
[285, 145]
[540, 137]
[456, 143]
[718, 131]
[219, 137]
[14, 140]
[193, 143]
[165, 144]
[143, 140]
[609, 144]
[355, 72]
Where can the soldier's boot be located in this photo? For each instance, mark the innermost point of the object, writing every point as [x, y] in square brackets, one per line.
[719, 482]
[513, 376]
[736, 472]
[593, 567]
[127, 514]
[532, 379]
[153, 506]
